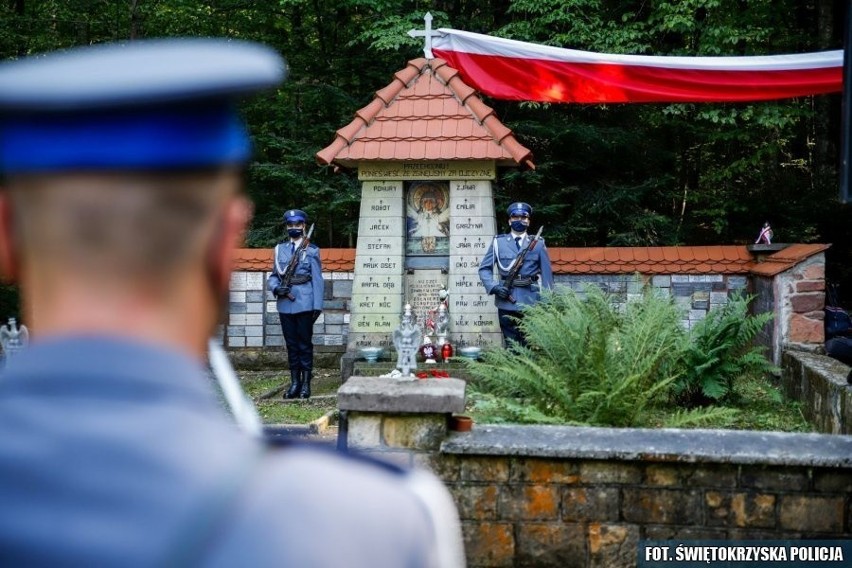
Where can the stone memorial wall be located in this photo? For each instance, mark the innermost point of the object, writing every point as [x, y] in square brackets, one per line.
[423, 229]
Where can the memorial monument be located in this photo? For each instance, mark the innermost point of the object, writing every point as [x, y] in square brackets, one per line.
[426, 150]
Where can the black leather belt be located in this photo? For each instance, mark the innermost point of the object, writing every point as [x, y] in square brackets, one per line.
[525, 282]
[300, 279]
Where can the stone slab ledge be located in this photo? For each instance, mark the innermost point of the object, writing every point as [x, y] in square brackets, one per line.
[655, 445]
[388, 396]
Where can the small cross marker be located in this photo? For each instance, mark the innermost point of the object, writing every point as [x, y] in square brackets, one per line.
[427, 33]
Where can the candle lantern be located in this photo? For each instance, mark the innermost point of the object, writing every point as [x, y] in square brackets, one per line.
[446, 351]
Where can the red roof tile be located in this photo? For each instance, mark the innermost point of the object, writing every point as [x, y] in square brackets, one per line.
[333, 260]
[786, 258]
[593, 260]
[428, 106]
[648, 260]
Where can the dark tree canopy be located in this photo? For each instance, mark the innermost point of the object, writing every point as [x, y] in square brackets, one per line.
[607, 175]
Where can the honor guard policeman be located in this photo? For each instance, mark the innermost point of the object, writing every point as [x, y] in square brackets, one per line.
[297, 284]
[535, 273]
[119, 216]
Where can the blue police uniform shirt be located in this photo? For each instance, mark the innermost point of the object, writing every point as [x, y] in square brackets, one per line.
[537, 262]
[307, 296]
[114, 453]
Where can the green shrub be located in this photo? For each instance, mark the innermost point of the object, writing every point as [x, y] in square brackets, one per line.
[586, 363]
[589, 362]
[720, 349]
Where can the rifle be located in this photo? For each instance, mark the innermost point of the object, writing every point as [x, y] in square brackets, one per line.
[519, 262]
[287, 274]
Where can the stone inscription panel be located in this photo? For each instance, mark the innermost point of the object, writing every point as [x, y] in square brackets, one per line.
[471, 206]
[470, 226]
[480, 339]
[471, 303]
[375, 190]
[414, 170]
[390, 246]
[465, 284]
[381, 226]
[360, 339]
[372, 323]
[377, 303]
[464, 263]
[381, 206]
[474, 323]
[467, 245]
[369, 264]
[469, 189]
[421, 291]
[377, 283]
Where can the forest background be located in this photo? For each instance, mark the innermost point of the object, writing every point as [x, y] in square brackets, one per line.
[606, 175]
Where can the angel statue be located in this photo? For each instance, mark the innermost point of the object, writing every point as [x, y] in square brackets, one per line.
[13, 338]
[406, 340]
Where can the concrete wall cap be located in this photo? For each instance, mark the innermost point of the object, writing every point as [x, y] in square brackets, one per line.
[386, 395]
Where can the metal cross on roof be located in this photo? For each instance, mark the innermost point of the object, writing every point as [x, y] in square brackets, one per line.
[428, 33]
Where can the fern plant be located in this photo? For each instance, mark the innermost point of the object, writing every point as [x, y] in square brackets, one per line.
[718, 350]
[586, 363]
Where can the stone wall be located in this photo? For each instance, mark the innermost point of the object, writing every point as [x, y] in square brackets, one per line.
[695, 294]
[792, 288]
[252, 319]
[819, 383]
[584, 497]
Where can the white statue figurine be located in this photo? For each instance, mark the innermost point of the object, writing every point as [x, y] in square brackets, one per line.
[406, 340]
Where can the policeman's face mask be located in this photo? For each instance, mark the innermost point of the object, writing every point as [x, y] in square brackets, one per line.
[295, 230]
[519, 223]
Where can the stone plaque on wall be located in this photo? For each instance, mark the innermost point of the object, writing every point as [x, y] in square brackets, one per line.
[378, 245]
[383, 189]
[424, 226]
[417, 170]
[376, 264]
[470, 226]
[466, 244]
[421, 291]
[378, 283]
[380, 226]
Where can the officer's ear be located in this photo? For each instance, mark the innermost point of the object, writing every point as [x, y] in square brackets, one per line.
[8, 255]
[229, 235]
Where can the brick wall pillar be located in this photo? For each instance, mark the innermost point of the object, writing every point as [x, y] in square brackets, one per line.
[802, 300]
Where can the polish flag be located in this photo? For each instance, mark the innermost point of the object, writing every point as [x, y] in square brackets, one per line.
[515, 70]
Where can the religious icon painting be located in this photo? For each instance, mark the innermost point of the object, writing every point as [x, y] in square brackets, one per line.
[427, 217]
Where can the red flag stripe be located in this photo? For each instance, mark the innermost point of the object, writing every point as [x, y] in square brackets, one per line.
[508, 69]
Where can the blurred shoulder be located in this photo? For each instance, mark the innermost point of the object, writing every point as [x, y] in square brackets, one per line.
[300, 489]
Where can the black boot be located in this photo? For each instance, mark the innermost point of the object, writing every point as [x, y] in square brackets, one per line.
[306, 385]
[295, 384]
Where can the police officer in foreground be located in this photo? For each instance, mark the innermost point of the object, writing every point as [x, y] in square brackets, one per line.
[297, 285]
[119, 215]
[535, 272]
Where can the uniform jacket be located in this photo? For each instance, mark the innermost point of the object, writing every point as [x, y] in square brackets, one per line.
[308, 296]
[537, 262]
[117, 454]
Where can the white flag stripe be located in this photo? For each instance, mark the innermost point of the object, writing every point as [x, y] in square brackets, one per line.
[468, 42]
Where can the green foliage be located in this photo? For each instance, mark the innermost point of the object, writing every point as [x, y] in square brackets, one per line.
[9, 305]
[590, 362]
[587, 363]
[606, 175]
[719, 351]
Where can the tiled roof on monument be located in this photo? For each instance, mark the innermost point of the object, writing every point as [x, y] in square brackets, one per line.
[426, 113]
